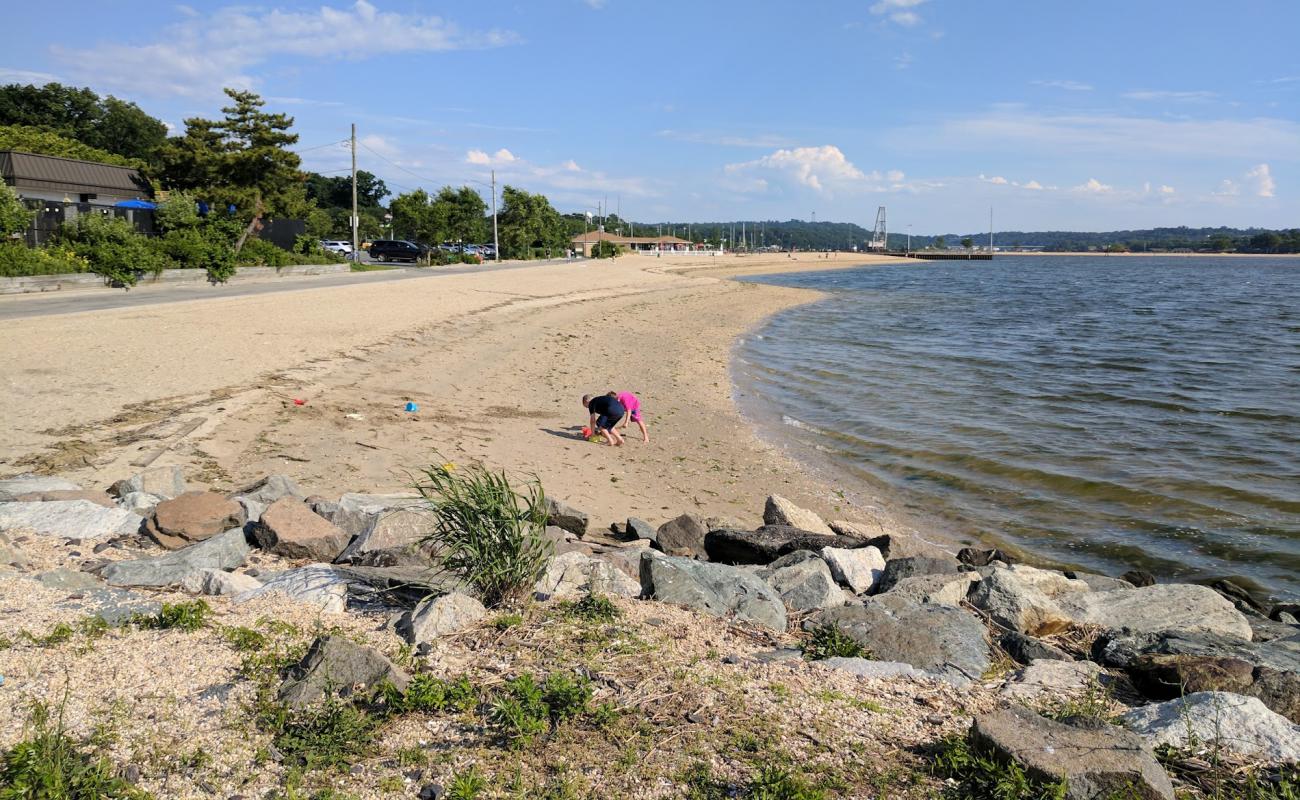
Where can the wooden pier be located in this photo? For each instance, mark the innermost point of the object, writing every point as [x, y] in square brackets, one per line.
[940, 256]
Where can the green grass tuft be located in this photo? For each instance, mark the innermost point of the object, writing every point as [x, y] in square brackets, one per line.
[186, 616]
[972, 775]
[49, 765]
[592, 608]
[830, 641]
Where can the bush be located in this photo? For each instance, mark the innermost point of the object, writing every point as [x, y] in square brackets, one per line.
[592, 608]
[261, 253]
[605, 249]
[487, 533]
[177, 213]
[199, 248]
[186, 616]
[17, 260]
[829, 641]
[112, 247]
[49, 764]
[14, 216]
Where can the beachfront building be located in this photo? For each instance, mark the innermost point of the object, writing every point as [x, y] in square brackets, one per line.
[583, 242]
[60, 189]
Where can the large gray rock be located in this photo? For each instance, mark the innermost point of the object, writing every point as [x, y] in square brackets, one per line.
[435, 617]
[640, 529]
[164, 482]
[1015, 603]
[780, 511]
[715, 589]
[575, 574]
[290, 529]
[1054, 584]
[96, 497]
[768, 543]
[1026, 648]
[193, 517]
[803, 581]
[1182, 607]
[1098, 583]
[1218, 721]
[896, 569]
[1054, 679]
[1097, 763]
[858, 569]
[223, 552]
[217, 582]
[22, 484]
[683, 536]
[336, 665]
[565, 516]
[938, 639]
[319, 585]
[69, 580]
[76, 519]
[869, 668]
[947, 589]
[393, 537]
[114, 606]
[141, 503]
[269, 489]
[11, 555]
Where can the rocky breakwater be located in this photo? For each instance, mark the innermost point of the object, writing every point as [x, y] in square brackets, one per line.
[1083, 666]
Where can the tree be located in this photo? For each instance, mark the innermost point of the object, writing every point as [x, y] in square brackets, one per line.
[14, 216]
[461, 212]
[967, 242]
[108, 124]
[940, 243]
[527, 223]
[27, 139]
[413, 217]
[336, 192]
[1267, 242]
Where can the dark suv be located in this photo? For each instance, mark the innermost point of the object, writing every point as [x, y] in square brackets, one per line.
[395, 250]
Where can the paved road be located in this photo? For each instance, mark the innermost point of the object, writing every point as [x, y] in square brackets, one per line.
[48, 304]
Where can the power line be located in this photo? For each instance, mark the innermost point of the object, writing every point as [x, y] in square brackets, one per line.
[320, 146]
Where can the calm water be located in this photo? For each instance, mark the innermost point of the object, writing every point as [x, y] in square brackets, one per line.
[1107, 413]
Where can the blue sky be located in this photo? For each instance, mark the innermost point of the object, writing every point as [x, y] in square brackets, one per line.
[1061, 115]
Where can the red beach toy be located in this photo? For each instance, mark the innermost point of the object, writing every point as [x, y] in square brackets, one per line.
[586, 433]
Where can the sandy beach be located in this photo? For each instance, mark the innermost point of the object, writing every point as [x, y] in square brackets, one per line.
[496, 363]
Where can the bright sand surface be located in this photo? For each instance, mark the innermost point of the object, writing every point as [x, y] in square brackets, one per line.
[496, 361]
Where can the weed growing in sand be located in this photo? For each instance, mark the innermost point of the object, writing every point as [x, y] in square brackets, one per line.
[329, 736]
[1092, 704]
[592, 608]
[769, 783]
[244, 640]
[466, 785]
[830, 641]
[428, 694]
[1228, 779]
[49, 764]
[488, 534]
[526, 709]
[186, 616]
[972, 774]
[506, 621]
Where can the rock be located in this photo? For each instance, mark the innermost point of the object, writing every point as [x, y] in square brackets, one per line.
[216, 582]
[164, 482]
[683, 536]
[768, 543]
[858, 568]
[432, 791]
[566, 516]
[1165, 677]
[1291, 610]
[1139, 578]
[334, 664]
[80, 519]
[1054, 678]
[114, 606]
[1051, 582]
[626, 560]
[1097, 583]
[1096, 762]
[223, 552]
[715, 589]
[858, 530]
[1026, 648]
[640, 529]
[941, 640]
[98, 498]
[575, 574]
[404, 586]
[141, 503]
[69, 580]
[269, 489]
[317, 584]
[867, 668]
[898, 568]
[803, 581]
[974, 557]
[393, 537]
[1017, 604]
[948, 589]
[25, 484]
[193, 517]
[779, 511]
[11, 555]
[1177, 606]
[1240, 598]
[290, 529]
[439, 616]
[1218, 720]
[1120, 648]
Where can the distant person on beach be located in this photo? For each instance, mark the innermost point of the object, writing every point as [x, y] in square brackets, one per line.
[633, 405]
[606, 412]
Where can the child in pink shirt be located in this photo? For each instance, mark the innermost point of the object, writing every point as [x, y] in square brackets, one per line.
[633, 405]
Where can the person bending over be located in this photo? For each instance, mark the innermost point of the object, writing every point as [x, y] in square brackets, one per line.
[606, 412]
[633, 405]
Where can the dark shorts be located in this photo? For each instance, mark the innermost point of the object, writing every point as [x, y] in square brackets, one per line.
[604, 423]
[635, 414]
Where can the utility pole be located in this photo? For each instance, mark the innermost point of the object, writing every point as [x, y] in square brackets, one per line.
[990, 230]
[356, 245]
[496, 242]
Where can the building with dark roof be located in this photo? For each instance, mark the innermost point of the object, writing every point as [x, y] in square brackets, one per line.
[583, 242]
[68, 180]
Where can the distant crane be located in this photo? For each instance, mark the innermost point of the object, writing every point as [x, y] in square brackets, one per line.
[879, 237]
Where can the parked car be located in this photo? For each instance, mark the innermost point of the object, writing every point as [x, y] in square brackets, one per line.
[336, 246]
[395, 250]
[487, 251]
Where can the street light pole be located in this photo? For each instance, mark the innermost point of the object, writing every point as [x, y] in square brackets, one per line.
[496, 242]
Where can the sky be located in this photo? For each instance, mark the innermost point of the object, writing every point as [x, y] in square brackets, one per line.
[1055, 114]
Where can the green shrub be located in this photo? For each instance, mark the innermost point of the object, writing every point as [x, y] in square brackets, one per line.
[830, 641]
[432, 695]
[199, 248]
[50, 765]
[328, 736]
[112, 247]
[186, 616]
[261, 253]
[486, 532]
[519, 713]
[178, 212]
[592, 608]
[973, 774]
[469, 258]
[14, 216]
[18, 260]
[605, 249]
[244, 640]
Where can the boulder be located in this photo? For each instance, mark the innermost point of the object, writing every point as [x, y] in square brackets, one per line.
[1098, 583]
[336, 665]
[435, 617]
[897, 569]
[1218, 720]
[69, 580]
[715, 589]
[1139, 578]
[803, 581]
[164, 482]
[976, 557]
[114, 606]
[1017, 604]
[940, 640]
[640, 529]
[575, 574]
[858, 569]
[1026, 648]
[98, 498]
[269, 489]
[779, 511]
[222, 552]
[868, 668]
[948, 589]
[626, 560]
[683, 536]
[141, 503]
[193, 517]
[76, 519]
[290, 529]
[768, 543]
[316, 584]
[11, 555]
[566, 516]
[351, 521]
[1053, 678]
[393, 537]
[25, 484]
[1053, 583]
[1164, 677]
[1182, 607]
[217, 582]
[1096, 762]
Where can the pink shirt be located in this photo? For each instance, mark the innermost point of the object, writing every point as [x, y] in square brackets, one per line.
[629, 401]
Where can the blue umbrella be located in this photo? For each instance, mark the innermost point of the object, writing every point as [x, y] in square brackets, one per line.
[135, 204]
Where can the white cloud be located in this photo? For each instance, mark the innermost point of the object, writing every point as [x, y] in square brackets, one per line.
[1226, 189]
[27, 76]
[1093, 186]
[818, 168]
[1034, 186]
[997, 179]
[1152, 94]
[1166, 190]
[201, 54]
[1069, 86]
[898, 11]
[380, 145]
[894, 176]
[481, 158]
[1262, 179]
